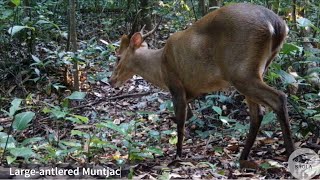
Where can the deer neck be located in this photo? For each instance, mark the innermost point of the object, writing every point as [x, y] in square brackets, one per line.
[149, 66]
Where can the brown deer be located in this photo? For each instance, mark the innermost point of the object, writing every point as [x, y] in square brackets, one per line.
[231, 46]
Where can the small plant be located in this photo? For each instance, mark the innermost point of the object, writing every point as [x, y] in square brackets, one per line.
[136, 150]
[21, 121]
[38, 148]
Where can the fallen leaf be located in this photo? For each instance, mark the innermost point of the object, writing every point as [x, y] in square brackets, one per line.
[234, 147]
[248, 164]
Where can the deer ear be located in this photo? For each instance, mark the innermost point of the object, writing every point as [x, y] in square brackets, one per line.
[124, 41]
[136, 40]
[124, 44]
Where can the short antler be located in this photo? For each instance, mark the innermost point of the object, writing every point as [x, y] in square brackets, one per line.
[144, 36]
[134, 24]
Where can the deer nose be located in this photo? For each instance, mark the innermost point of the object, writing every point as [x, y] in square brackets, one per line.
[112, 82]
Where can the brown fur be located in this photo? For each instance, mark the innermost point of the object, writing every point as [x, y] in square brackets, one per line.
[231, 46]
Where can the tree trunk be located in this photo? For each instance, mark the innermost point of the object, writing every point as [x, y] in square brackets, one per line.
[294, 16]
[73, 40]
[202, 7]
[145, 13]
[214, 3]
[66, 67]
[28, 13]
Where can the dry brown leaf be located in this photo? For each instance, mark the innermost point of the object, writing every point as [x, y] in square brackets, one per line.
[248, 164]
[268, 141]
[233, 147]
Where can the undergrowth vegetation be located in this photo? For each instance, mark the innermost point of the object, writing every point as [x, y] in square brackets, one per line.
[43, 121]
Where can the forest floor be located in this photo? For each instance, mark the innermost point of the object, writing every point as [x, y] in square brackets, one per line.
[215, 156]
[211, 148]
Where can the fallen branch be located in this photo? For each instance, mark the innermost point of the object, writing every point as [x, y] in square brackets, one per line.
[313, 145]
[134, 95]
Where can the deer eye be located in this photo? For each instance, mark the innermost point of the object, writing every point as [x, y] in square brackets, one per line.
[118, 59]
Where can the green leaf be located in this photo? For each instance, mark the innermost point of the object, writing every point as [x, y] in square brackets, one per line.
[22, 152]
[12, 31]
[268, 133]
[312, 59]
[77, 95]
[165, 176]
[145, 112]
[314, 70]
[71, 143]
[304, 22]
[16, 2]
[286, 77]
[58, 113]
[36, 59]
[46, 110]
[15, 106]
[154, 133]
[218, 149]
[268, 118]
[132, 173]
[217, 109]
[138, 156]
[173, 140]
[212, 166]
[167, 132]
[58, 86]
[10, 159]
[3, 141]
[167, 105]
[47, 22]
[316, 117]
[114, 127]
[94, 140]
[240, 127]
[289, 48]
[265, 165]
[220, 98]
[6, 13]
[79, 133]
[73, 119]
[43, 22]
[31, 140]
[37, 71]
[81, 118]
[224, 119]
[154, 150]
[111, 146]
[21, 120]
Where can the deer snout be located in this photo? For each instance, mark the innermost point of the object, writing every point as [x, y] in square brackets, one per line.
[114, 82]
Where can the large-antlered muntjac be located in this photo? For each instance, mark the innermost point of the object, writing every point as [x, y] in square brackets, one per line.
[231, 46]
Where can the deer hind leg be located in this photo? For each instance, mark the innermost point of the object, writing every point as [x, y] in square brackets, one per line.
[258, 92]
[255, 122]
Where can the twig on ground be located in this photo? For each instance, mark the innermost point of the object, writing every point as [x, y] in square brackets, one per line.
[313, 145]
[134, 95]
